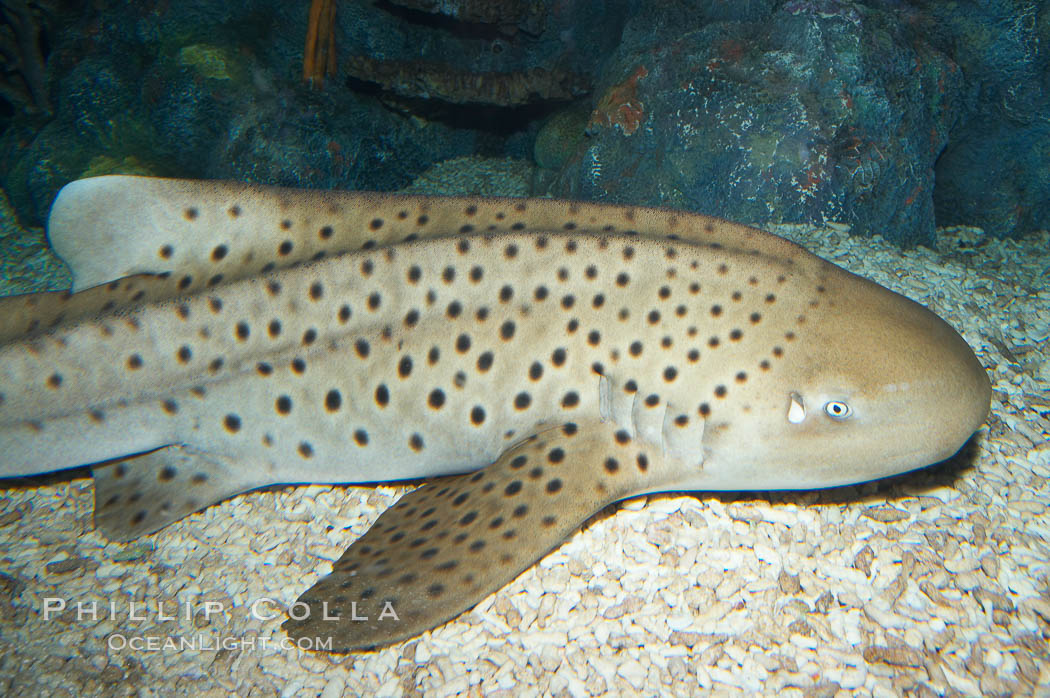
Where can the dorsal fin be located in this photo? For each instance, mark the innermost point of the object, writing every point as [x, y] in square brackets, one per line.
[206, 232]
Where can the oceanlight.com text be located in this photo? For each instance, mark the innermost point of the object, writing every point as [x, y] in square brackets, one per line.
[203, 643]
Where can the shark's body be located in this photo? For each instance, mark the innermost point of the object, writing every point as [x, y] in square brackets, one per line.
[571, 354]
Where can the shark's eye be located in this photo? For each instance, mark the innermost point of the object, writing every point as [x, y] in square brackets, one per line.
[837, 409]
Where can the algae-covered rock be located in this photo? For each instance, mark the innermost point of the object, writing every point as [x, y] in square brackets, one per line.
[109, 165]
[560, 136]
[475, 176]
[824, 111]
[208, 61]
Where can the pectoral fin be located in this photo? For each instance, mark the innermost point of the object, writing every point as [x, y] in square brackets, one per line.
[144, 494]
[447, 545]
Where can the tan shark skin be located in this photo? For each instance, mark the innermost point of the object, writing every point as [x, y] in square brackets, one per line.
[562, 355]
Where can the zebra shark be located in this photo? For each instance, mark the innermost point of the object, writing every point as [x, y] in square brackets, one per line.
[555, 356]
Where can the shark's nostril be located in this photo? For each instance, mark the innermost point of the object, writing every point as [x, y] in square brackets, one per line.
[796, 409]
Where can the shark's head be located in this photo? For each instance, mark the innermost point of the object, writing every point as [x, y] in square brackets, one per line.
[875, 385]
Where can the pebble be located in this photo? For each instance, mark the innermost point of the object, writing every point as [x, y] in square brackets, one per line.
[292, 689]
[962, 564]
[633, 672]
[108, 571]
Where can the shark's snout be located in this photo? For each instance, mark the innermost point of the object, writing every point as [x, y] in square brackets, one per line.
[875, 386]
[915, 387]
[943, 390]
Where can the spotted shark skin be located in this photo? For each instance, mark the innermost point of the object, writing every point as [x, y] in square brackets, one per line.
[558, 356]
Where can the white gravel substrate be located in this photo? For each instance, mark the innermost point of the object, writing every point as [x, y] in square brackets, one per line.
[933, 583]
